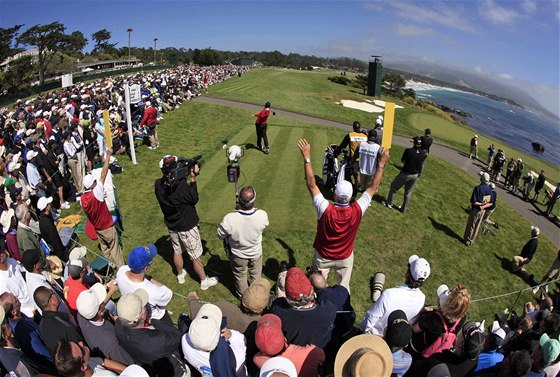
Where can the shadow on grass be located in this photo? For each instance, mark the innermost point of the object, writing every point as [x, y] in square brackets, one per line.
[271, 267]
[445, 229]
[507, 265]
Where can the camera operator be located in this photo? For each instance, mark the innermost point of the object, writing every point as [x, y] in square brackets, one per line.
[177, 200]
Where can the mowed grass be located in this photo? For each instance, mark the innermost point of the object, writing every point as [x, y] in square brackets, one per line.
[312, 93]
[431, 228]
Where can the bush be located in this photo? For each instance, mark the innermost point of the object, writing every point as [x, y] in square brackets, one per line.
[340, 80]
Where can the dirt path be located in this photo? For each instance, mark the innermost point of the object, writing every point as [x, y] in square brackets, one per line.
[451, 155]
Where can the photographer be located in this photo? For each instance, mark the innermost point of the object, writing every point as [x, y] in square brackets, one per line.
[177, 200]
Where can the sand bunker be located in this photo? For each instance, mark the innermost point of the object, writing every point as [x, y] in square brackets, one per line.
[379, 106]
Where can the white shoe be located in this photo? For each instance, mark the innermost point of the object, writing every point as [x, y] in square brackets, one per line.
[181, 276]
[65, 205]
[208, 282]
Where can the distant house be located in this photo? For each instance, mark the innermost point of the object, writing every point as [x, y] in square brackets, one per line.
[108, 65]
[34, 53]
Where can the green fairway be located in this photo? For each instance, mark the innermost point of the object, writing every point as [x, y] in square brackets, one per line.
[311, 92]
[431, 228]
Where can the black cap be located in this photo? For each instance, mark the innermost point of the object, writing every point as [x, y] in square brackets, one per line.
[356, 125]
[399, 331]
[15, 191]
[30, 258]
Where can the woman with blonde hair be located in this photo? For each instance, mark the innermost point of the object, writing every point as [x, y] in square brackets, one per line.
[449, 317]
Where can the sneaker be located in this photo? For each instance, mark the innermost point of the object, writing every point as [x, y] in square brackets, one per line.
[384, 202]
[208, 282]
[536, 289]
[150, 147]
[65, 205]
[181, 276]
[266, 150]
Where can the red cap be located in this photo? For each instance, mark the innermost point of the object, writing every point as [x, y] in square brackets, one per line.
[297, 284]
[269, 337]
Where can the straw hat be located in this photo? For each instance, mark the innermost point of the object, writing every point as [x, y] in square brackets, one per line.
[363, 356]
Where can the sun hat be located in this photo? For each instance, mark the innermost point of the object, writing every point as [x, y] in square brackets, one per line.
[443, 294]
[278, 365]
[269, 337]
[256, 297]
[205, 329]
[550, 347]
[30, 258]
[364, 356]
[419, 268]
[89, 300]
[343, 188]
[6, 219]
[131, 305]
[140, 257]
[398, 332]
[43, 202]
[31, 154]
[88, 181]
[297, 284]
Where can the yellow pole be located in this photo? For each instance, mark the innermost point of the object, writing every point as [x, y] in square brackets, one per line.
[108, 134]
[388, 121]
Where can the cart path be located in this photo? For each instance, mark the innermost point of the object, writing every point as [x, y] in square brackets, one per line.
[458, 158]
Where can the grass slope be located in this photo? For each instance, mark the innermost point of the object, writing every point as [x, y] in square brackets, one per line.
[431, 227]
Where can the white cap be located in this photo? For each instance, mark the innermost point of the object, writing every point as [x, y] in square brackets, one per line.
[88, 181]
[278, 365]
[205, 329]
[134, 371]
[419, 268]
[442, 293]
[131, 305]
[343, 188]
[77, 253]
[31, 154]
[536, 230]
[497, 330]
[43, 202]
[88, 301]
[379, 122]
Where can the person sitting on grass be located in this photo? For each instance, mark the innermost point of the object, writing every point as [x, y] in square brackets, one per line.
[527, 253]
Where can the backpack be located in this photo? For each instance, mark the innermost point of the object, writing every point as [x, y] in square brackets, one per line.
[444, 341]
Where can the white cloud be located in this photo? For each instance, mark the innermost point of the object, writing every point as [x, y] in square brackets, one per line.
[505, 76]
[497, 14]
[529, 6]
[480, 70]
[413, 31]
[441, 15]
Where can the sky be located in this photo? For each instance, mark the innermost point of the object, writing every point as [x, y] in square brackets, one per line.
[517, 41]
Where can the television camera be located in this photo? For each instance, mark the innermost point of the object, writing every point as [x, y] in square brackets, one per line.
[177, 168]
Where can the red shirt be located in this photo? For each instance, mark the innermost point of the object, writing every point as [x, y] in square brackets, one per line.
[150, 117]
[262, 117]
[336, 231]
[72, 289]
[96, 211]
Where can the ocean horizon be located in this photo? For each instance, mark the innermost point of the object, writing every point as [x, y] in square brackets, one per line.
[509, 124]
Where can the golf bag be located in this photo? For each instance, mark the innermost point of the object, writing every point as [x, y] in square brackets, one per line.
[331, 167]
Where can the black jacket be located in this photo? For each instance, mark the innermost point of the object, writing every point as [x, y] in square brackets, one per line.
[178, 204]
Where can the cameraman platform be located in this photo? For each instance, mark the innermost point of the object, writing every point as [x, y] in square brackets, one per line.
[177, 200]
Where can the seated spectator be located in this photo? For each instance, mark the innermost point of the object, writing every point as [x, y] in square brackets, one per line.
[271, 343]
[462, 361]
[99, 332]
[152, 343]
[75, 284]
[278, 367]
[305, 320]
[397, 336]
[490, 355]
[73, 359]
[49, 233]
[338, 295]
[450, 317]
[8, 222]
[54, 325]
[11, 280]
[27, 238]
[546, 357]
[133, 276]
[407, 297]
[529, 340]
[364, 356]
[26, 333]
[209, 345]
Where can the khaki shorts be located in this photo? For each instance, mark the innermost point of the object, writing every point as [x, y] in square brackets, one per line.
[188, 241]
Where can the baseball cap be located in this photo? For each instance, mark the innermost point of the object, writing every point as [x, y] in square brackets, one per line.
[13, 166]
[419, 268]
[278, 365]
[399, 331]
[297, 284]
[77, 253]
[89, 300]
[473, 340]
[550, 347]
[498, 334]
[43, 202]
[31, 154]
[442, 293]
[140, 257]
[256, 297]
[30, 258]
[343, 188]
[134, 371]
[15, 191]
[88, 181]
[269, 337]
[131, 305]
[485, 177]
[536, 230]
[205, 329]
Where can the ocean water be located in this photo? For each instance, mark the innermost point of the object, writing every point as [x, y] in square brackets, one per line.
[512, 125]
